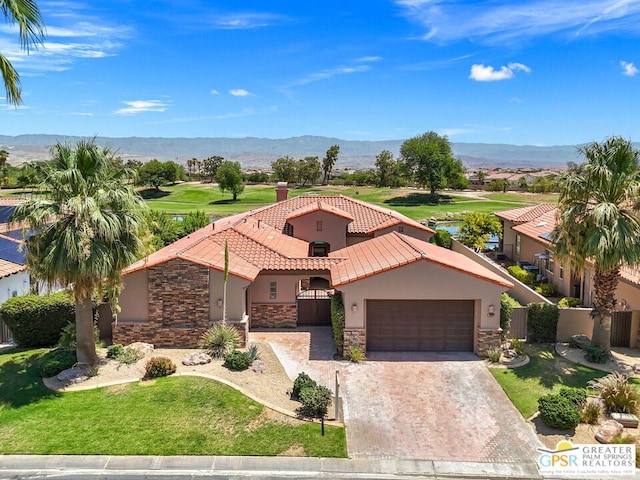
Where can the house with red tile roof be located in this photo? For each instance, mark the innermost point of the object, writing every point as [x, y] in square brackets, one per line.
[527, 239]
[286, 260]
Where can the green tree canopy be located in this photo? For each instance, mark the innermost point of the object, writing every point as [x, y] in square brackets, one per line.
[428, 158]
[599, 221]
[388, 170]
[155, 173]
[329, 161]
[31, 31]
[211, 165]
[89, 225]
[229, 178]
[477, 228]
[285, 169]
[309, 170]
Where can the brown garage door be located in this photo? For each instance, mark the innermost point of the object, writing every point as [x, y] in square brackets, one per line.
[420, 325]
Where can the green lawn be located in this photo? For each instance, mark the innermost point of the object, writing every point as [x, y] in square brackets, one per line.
[168, 416]
[416, 204]
[547, 372]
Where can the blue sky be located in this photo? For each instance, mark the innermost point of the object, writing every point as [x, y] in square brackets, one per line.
[538, 72]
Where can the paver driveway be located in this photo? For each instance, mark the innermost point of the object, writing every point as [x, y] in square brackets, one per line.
[414, 405]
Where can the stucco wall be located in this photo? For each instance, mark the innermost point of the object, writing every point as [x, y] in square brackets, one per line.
[353, 239]
[422, 280]
[406, 230]
[134, 299]
[17, 282]
[236, 286]
[287, 287]
[574, 321]
[520, 291]
[334, 229]
[509, 240]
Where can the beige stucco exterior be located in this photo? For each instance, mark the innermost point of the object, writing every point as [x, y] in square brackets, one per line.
[236, 307]
[287, 286]
[333, 229]
[422, 280]
[134, 299]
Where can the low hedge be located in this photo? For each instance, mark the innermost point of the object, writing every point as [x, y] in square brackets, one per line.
[38, 320]
[55, 361]
[558, 411]
[519, 273]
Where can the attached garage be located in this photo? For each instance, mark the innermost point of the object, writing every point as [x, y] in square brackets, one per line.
[420, 325]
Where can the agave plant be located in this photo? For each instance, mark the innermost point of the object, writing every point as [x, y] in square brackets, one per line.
[220, 340]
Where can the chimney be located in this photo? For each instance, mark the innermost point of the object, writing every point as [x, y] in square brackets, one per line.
[282, 191]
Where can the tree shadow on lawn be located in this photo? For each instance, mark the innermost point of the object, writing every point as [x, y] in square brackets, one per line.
[417, 199]
[152, 193]
[20, 383]
[550, 369]
[225, 201]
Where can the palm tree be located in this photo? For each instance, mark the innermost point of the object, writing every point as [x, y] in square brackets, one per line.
[88, 222]
[599, 221]
[31, 27]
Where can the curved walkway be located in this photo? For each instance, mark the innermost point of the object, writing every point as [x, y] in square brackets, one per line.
[623, 361]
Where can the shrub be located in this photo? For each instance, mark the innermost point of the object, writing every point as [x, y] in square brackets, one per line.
[115, 350]
[547, 290]
[160, 367]
[315, 401]
[355, 354]
[617, 394]
[622, 439]
[301, 382]
[237, 360]
[577, 396]
[220, 340]
[597, 354]
[591, 412]
[68, 336]
[337, 321]
[524, 276]
[516, 344]
[494, 354]
[38, 320]
[542, 322]
[558, 412]
[569, 302]
[507, 304]
[442, 238]
[55, 361]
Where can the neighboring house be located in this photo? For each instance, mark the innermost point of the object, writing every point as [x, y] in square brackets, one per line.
[527, 239]
[287, 259]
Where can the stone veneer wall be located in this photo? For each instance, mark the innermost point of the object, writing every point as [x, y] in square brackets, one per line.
[487, 338]
[167, 337]
[274, 315]
[355, 338]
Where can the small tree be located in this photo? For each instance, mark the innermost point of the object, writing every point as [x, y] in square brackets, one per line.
[285, 169]
[329, 162]
[477, 228]
[309, 170]
[315, 402]
[229, 178]
[211, 165]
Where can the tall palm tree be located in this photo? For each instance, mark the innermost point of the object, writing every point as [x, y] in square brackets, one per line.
[87, 224]
[31, 29]
[599, 221]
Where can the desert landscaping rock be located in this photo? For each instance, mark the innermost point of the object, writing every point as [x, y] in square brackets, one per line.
[608, 430]
[582, 341]
[198, 358]
[144, 348]
[73, 375]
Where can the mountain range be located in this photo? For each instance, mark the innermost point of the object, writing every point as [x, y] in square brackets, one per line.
[258, 153]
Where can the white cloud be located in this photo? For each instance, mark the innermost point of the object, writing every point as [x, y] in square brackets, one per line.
[506, 21]
[328, 73]
[214, 92]
[516, 100]
[450, 132]
[139, 106]
[369, 59]
[628, 69]
[245, 21]
[486, 73]
[239, 92]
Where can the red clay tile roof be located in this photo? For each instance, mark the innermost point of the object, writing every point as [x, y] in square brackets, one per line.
[539, 228]
[11, 202]
[526, 214]
[368, 218]
[319, 206]
[394, 250]
[9, 268]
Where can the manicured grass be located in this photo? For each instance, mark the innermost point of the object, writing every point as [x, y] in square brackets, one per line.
[547, 372]
[168, 416]
[525, 197]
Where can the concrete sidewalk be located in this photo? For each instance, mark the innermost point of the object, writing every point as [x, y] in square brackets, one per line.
[294, 467]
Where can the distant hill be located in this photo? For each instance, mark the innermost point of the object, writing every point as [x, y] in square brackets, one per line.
[255, 152]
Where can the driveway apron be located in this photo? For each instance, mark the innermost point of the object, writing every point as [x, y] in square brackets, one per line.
[429, 406]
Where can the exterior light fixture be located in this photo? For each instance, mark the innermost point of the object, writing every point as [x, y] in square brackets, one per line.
[354, 307]
[219, 303]
[492, 310]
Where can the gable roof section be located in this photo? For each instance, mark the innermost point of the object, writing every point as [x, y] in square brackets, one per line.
[319, 206]
[526, 214]
[394, 250]
[368, 218]
[539, 228]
